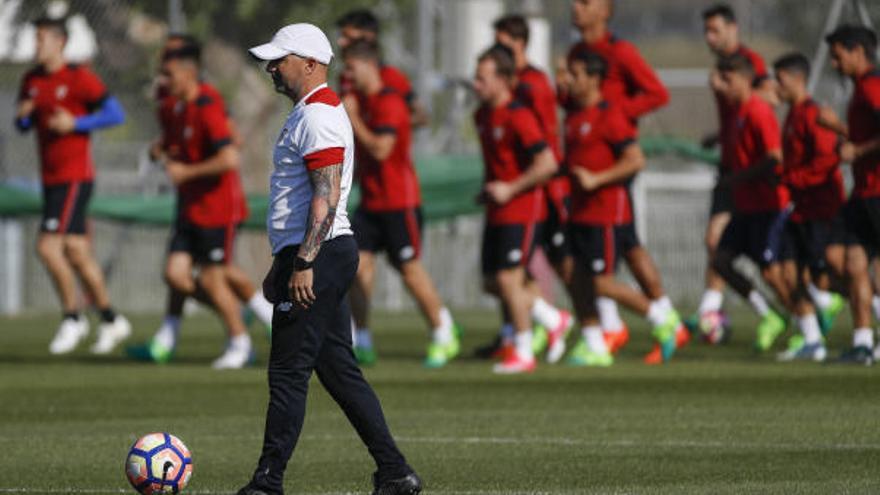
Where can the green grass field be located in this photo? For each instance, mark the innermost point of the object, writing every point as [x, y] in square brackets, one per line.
[717, 420]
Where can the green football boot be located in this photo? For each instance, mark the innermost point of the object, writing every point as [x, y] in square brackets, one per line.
[581, 355]
[770, 327]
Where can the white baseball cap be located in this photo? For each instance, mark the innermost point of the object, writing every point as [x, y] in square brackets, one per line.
[304, 40]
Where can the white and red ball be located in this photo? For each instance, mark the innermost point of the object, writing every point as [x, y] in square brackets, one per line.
[714, 327]
[158, 463]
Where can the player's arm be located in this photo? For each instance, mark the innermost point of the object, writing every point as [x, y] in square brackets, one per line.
[225, 159]
[630, 162]
[829, 119]
[420, 115]
[651, 93]
[24, 115]
[851, 151]
[378, 142]
[543, 166]
[822, 157]
[768, 167]
[108, 113]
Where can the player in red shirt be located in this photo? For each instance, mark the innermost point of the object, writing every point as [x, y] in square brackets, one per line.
[389, 217]
[761, 203]
[517, 163]
[815, 230]
[160, 348]
[534, 89]
[602, 156]
[202, 162]
[361, 24]
[721, 33]
[634, 86]
[853, 50]
[64, 103]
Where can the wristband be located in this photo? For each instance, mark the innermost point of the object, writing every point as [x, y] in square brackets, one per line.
[300, 265]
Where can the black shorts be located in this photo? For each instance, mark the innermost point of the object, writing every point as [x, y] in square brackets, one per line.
[808, 240]
[760, 236]
[508, 246]
[554, 234]
[64, 207]
[599, 247]
[397, 232]
[722, 199]
[206, 245]
[862, 218]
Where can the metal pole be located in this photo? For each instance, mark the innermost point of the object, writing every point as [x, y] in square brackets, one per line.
[426, 13]
[821, 55]
[176, 16]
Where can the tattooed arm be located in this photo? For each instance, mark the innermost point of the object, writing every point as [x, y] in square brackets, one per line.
[326, 183]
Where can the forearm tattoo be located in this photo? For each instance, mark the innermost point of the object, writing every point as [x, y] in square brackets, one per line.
[326, 182]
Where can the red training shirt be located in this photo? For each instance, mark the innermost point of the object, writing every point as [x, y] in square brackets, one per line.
[75, 88]
[727, 110]
[863, 116]
[811, 164]
[390, 184]
[754, 135]
[392, 77]
[193, 131]
[595, 137]
[510, 137]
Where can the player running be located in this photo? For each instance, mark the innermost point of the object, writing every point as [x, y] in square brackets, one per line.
[853, 50]
[161, 347]
[517, 163]
[602, 156]
[65, 102]
[202, 162]
[389, 217]
[761, 203]
[815, 229]
[634, 86]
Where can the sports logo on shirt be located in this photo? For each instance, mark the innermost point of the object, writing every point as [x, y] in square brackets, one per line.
[498, 133]
[187, 132]
[585, 129]
[61, 92]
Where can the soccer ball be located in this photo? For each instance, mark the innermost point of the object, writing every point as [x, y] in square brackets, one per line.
[158, 463]
[714, 327]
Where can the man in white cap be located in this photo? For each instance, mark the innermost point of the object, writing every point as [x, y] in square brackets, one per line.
[315, 261]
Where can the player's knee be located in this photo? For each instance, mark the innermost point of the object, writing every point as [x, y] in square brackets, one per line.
[78, 253]
[49, 249]
[179, 281]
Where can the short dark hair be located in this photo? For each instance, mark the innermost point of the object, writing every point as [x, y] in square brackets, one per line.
[361, 19]
[185, 38]
[793, 62]
[738, 63]
[57, 24]
[721, 9]
[851, 36]
[362, 49]
[513, 25]
[503, 58]
[190, 52]
[594, 64]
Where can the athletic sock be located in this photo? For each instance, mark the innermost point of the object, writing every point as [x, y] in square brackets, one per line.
[759, 304]
[523, 342]
[241, 341]
[168, 332]
[594, 339]
[875, 303]
[822, 298]
[506, 333]
[609, 316]
[70, 315]
[363, 338]
[863, 337]
[443, 334]
[657, 313]
[810, 328]
[712, 301]
[108, 315]
[666, 303]
[545, 314]
[261, 307]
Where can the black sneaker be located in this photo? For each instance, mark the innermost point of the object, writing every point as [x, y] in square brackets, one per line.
[408, 485]
[249, 489]
[857, 355]
[487, 351]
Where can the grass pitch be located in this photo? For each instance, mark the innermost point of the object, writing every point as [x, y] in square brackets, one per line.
[717, 420]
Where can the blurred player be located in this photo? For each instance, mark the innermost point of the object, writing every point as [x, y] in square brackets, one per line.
[721, 33]
[362, 25]
[65, 103]
[202, 163]
[602, 155]
[517, 163]
[634, 87]
[761, 204]
[815, 229]
[853, 50]
[389, 217]
[535, 90]
[161, 347]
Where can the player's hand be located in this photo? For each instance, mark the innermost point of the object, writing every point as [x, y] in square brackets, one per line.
[62, 121]
[300, 286]
[157, 154]
[848, 152]
[178, 172]
[587, 180]
[350, 102]
[25, 108]
[499, 192]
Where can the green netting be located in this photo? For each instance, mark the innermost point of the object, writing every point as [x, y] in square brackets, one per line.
[450, 184]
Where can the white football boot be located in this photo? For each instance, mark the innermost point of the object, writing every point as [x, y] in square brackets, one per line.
[111, 334]
[69, 334]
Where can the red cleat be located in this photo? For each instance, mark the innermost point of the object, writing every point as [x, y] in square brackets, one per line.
[682, 337]
[616, 340]
[514, 364]
[504, 352]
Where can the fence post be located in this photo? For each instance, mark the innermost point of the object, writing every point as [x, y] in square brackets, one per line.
[11, 239]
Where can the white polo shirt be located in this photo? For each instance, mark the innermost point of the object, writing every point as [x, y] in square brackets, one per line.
[317, 134]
